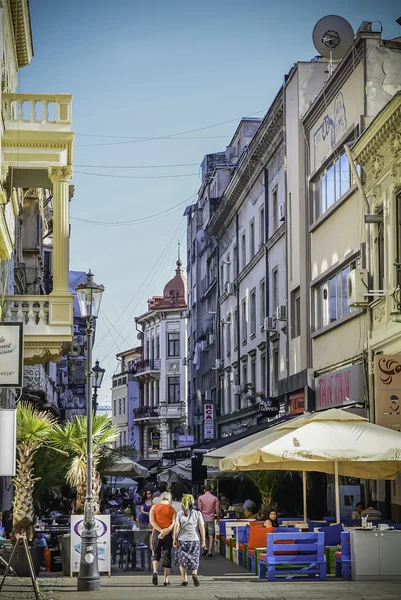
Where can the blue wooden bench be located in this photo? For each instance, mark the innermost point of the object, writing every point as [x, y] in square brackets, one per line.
[343, 557]
[303, 559]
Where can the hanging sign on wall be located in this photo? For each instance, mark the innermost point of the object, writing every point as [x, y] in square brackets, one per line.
[11, 354]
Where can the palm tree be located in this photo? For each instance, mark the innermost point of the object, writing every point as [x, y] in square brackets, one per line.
[72, 438]
[33, 431]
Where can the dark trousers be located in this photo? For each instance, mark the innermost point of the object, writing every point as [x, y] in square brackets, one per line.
[161, 548]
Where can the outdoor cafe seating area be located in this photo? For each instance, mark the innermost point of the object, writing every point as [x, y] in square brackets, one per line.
[312, 549]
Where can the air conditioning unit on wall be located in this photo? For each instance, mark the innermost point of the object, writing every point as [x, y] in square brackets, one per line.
[282, 313]
[204, 345]
[281, 212]
[236, 390]
[357, 287]
[208, 394]
[219, 363]
[270, 324]
[229, 288]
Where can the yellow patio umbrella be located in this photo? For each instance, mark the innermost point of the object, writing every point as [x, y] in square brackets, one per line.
[333, 441]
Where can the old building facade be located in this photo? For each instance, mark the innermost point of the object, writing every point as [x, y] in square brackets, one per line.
[162, 415]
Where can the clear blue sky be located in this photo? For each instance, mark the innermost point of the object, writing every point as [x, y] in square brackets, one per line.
[151, 68]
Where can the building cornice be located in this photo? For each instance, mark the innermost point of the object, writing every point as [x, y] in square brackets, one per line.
[22, 31]
[384, 129]
[262, 146]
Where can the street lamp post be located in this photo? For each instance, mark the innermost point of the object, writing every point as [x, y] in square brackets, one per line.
[89, 298]
[97, 379]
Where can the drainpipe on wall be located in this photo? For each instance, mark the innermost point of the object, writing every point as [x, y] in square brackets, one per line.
[287, 233]
[142, 441]
[217, 325]
[238, 304]
[267, 279]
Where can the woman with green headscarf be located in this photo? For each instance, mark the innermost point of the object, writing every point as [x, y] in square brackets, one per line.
[186, 539]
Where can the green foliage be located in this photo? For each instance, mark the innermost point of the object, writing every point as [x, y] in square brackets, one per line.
[33, 426]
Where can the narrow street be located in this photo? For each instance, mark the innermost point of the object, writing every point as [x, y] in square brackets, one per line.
[219, 578]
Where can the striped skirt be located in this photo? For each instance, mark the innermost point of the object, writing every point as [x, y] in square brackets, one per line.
[187, 555]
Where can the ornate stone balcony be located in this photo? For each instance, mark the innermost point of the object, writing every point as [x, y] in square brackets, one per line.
[48, 322]
[160, 412]
[37, 131]
[148, 369]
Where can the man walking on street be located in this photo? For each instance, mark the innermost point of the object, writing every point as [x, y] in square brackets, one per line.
[209, 507]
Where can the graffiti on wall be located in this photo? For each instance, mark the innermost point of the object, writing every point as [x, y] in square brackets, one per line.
[330, 130]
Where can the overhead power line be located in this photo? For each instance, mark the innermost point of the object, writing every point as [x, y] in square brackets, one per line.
[141, 220]
[136, 176]
[164, 137]
[136, 166]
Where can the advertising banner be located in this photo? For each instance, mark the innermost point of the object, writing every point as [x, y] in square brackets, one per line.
[388, 390]
[208, 422]
[102, 526]
[8, 422]
[11, 354]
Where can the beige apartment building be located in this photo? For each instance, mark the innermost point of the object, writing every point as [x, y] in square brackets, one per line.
[341, 277]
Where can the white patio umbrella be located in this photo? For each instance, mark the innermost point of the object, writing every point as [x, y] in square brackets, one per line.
[233, 452]
[183, 470]
[335, 442]
[126, 467]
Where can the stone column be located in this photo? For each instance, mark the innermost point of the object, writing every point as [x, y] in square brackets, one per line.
[60, 178]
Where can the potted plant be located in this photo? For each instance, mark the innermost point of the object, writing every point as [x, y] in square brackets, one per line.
[33, 432]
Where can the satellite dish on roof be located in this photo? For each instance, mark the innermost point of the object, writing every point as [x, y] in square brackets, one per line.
[140, 336]
[332, 36]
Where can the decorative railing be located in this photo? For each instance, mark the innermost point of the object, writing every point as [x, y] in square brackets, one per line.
[148, 365]
[146, 411]
[50, 109]
[31, 310]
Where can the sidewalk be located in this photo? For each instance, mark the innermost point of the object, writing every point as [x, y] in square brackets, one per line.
[219, 579]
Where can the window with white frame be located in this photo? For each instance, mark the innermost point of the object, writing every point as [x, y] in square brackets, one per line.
[235, 325]
[331, 299]
[276, 367]
[379, 242]
[252, 312]
[228, 335]
[251, 239]
[331, 184]
[295, 313]
[262, 225]
[244, 327]
[274, 290]
[243, 244]
[262, 304]
[274, 210]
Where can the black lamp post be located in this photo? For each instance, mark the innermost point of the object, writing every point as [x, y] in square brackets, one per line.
[89, 296]
[97, 379]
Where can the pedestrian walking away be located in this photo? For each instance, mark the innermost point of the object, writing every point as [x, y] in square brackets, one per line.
[186, 539]
[210, 509]
[162, 519]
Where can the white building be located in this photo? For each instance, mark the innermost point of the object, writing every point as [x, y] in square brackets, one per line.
[162, 415]
[125, 398]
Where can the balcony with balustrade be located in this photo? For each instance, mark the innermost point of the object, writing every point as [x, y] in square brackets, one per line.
[37, 153]
[148, 370]
[148, 414]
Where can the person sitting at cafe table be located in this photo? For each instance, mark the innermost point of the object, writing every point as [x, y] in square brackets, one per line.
[356, 514]
[271, 520]
[371, 512]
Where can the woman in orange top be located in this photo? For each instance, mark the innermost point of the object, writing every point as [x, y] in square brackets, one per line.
[162, 520]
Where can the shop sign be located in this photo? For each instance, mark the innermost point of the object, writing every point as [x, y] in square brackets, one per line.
[340, 388]
[388, 390]
[185, 440]
[208, 421]
[8, 421]
[11, 354]
[155, 435]
[102, 528]
[297, 404]
[269, 406]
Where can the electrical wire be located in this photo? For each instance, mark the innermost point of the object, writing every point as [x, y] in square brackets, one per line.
[170, 136]
[137, 166]
[162, 275]
[135, 176]
[150, 274]
[141, 220]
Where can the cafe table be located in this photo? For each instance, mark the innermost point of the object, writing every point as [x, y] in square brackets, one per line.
[134, 539]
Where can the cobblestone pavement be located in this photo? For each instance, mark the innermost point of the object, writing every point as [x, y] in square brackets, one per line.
[219, 579]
